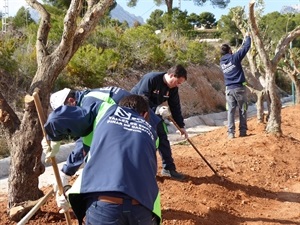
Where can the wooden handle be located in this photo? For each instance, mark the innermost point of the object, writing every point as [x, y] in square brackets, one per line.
[25, 219]
[195, 148]
[42, 120]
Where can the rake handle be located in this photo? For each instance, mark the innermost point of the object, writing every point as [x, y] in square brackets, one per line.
[195, 148]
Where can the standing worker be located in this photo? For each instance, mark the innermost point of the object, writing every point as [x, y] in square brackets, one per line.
[235, 81]
[118, 183]
[162, 87]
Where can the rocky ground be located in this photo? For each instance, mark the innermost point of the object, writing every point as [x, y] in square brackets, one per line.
[258, 182]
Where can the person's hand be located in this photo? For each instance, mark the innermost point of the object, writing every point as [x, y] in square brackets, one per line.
[163, 111]
[62, 203]
[183, 132]
[65, 179]
[50, 149]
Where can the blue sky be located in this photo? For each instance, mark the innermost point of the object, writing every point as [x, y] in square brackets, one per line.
[145, 7]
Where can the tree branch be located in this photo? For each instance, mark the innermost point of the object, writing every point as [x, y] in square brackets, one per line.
[87, 24]
[8, 119]
[44, 29]
[70, 26]
[284, 43]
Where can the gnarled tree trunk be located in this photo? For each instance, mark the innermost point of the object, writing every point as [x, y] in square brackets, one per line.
[26, 166]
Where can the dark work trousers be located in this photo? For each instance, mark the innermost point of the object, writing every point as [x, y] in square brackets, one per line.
[75, 159]
[237, 98]
[164, 147]
[104, 213]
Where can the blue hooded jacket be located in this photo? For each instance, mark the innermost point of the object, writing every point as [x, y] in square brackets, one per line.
[231, 65]
[123, 143]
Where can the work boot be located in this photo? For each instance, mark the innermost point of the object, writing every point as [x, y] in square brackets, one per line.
[243, 134]
[230, 135]
[172, 173]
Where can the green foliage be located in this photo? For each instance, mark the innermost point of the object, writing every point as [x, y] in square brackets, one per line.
[194, 53]
[156, 20]
[194, 19]
[178, 21]
[7, 48]
[59, 3]
[90, 65]
[106, 37]
[275, 25]
[142, 45]
[220, 3]
[57, 18]
[202, 34]
[22, 18]
[207, 19]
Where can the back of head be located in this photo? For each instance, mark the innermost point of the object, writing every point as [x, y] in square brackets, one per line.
[137, 102]
[178, 71]
[225, 49]
[58, 98]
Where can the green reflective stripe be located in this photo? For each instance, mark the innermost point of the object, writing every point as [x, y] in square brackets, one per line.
[157, 142]
[102, 110]
[157, 207]
[165, 127]
[87, 140]
[244, 83]
[100, 95]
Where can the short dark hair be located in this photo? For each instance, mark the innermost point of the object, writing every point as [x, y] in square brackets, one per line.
[137, 102]
[72, 94]
[225, 49]
[178, 71]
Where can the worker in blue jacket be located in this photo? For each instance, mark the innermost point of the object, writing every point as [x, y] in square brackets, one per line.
[118, 182]
[84, 98]
[235, 82]
[162, 87]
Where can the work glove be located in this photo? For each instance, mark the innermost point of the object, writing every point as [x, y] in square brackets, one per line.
[62, 203]
[50, 149]
[163, 111]
[183, 132]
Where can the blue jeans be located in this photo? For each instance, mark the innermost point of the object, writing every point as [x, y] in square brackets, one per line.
[237, 98]
[103, 213]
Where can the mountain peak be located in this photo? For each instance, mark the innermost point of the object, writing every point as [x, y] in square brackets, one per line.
[120, 14]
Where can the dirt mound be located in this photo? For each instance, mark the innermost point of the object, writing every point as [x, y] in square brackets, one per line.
[261, 185]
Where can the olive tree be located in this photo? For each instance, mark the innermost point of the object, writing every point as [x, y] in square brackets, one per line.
[270, 66]
[23, 132]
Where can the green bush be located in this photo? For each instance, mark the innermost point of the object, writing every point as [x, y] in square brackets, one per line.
[90, 65]
[142, 45]
[194, 53]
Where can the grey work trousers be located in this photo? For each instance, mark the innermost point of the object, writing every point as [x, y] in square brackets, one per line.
[237, 97]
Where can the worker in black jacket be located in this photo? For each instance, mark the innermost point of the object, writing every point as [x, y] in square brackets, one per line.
[162, 87]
